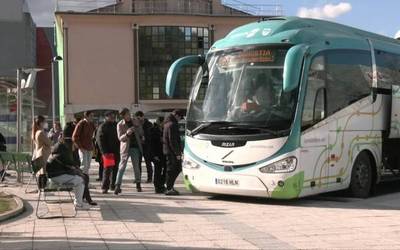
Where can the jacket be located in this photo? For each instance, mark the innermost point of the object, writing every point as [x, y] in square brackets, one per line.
[60, 161]
[42, 146]
[107, 138]
[123, 137]
[68, 131]
[156, 144]
[83, 135]
[3, 143]
[171, 137]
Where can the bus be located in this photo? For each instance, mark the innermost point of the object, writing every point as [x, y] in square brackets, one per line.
[288, 107]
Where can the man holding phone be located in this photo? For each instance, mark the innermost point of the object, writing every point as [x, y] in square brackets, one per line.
[130, 135]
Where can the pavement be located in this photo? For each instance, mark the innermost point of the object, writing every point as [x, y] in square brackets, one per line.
[198, 221]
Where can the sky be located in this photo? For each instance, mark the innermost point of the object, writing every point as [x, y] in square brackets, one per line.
[378, 16]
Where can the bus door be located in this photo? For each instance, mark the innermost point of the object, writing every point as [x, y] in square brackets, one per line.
[314, 138]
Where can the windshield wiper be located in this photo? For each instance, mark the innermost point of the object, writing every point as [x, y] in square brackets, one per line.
[259, 127]
[202, 126]
[250, 127]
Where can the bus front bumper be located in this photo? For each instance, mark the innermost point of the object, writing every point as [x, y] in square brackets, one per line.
[269, 186]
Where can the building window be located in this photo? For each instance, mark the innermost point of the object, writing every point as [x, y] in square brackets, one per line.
[159, 47]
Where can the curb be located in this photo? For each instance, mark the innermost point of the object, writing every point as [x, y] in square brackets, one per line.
[17, 211]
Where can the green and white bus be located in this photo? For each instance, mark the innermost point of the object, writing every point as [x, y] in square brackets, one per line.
[289, 107]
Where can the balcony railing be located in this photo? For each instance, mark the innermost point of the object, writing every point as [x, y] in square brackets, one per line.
[172, 7]
[202, 7]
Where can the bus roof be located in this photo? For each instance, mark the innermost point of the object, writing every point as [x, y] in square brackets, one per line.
[295, 30]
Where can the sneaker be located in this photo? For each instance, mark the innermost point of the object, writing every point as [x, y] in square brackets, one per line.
[171, 192]
[138, 187]
[105, 191]
[82, 207]
[92, 203]
[160, 190]
[117, 190]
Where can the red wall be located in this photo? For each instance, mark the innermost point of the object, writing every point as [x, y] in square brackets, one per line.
[43, 60]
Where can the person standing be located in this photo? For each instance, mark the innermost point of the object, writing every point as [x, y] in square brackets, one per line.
[82, 138]
[98, 155]
[67, 139]
[158, 157]
[147, 127]
[130, 134]
[55, 133]
[3, 148]
[42, 144]
[172, 149]
[107, 139]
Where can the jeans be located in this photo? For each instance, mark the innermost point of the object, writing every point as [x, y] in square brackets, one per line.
[174, 168]
[159, 173]
[147, 160]
[86, 158]
[135, 155]
[76, 181]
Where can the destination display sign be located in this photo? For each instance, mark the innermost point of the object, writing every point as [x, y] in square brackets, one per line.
[248, 56]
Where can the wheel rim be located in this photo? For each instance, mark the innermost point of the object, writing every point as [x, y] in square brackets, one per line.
[362, 175]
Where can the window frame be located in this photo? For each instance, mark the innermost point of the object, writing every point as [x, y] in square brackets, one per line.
[161, 46]
[324, 53]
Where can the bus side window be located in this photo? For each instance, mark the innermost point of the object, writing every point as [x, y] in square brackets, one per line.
[347, 78]
[315, 100]
[388, 67]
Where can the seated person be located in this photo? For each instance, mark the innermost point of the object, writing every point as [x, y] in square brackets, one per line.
[61, 169]
[261, 95]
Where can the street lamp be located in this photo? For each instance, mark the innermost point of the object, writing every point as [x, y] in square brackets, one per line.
[27, 83]
[53, 93]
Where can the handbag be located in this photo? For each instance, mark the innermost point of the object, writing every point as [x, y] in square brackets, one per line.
[108, 160]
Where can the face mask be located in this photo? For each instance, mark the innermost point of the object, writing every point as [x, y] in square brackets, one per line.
[45, 125]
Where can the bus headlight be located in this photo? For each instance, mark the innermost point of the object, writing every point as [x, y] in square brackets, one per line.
[190, 164]
[283, 166]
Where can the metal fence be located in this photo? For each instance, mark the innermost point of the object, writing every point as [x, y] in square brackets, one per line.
[205, 7]
[87, 5]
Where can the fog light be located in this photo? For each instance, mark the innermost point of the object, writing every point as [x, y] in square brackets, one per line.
[281, 183]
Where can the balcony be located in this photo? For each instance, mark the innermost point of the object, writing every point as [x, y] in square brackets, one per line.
[191, 7]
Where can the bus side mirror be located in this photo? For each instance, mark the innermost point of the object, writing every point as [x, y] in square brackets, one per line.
[292, 67]
[176, 67]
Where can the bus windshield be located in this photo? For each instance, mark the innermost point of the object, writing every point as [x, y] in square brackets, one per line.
[240, 91]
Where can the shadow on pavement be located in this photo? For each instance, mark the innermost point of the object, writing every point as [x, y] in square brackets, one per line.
[386, 197]
[14, 241]
[147, 212]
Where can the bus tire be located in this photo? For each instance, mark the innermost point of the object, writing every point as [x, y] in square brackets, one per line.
[361, 176]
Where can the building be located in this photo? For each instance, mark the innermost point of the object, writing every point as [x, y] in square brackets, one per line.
[117, 55]
[17, 50]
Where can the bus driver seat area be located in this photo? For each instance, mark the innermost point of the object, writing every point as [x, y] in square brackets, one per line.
[259, 94]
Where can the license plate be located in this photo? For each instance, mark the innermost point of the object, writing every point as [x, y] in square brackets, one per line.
[226, 182]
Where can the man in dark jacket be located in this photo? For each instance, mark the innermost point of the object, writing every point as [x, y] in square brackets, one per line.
[107, 139]
[147, 126]
[3, 148]
[61, 169]
[67, 138]
[172, 149]
[157, 156]
[3, 143]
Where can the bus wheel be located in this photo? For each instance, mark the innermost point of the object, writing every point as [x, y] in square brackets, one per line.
[361, 177]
